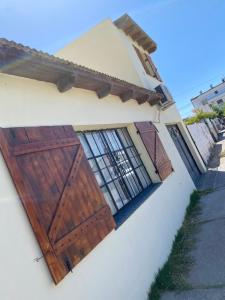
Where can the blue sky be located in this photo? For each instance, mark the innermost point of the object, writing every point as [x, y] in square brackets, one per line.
[190, 34]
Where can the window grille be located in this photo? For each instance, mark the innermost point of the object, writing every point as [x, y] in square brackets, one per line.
[116, 164]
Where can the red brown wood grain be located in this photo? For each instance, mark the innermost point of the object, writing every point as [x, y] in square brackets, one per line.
[59, 192]
[155, 149]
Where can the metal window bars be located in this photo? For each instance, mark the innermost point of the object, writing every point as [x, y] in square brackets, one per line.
[116, 164]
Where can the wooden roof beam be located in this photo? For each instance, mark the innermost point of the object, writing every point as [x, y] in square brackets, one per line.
[150, 49]
[66, 83]
[104, 90]
[146, 44]
[136, 35]
[64, 74]
[125, 23]
[129, 29]
[141, 40]
[125, 96]
[143, 98]
[155, 100]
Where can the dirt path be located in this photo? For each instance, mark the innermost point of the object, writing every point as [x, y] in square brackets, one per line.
[207, 275]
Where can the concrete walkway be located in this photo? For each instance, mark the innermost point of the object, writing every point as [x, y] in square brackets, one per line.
[207, 275]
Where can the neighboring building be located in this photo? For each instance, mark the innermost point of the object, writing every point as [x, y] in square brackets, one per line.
[107, 211]
[214, 96]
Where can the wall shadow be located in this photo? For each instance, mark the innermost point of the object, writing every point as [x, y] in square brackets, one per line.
[221, 136]
[213, 179]
[214, 161]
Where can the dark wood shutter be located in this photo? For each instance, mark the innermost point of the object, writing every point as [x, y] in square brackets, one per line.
[142, 59]
[59, 192]
[155, 149]
[155, 71]
[148, 64]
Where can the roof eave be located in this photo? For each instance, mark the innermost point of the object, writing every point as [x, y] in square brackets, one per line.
[19, 60]
[131, 28]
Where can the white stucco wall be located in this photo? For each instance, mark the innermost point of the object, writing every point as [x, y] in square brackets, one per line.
[210, 97]
[109, 50]
[147, 81]
[123, 265]
[102, 49]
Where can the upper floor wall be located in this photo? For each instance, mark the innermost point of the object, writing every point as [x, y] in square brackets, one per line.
[140, 64]
[102, 49]
[108, 49]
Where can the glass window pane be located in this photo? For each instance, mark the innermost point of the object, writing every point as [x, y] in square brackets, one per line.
[110, 159]
[143, 177]
[134, 157]
[98, 176]
[115, 158]
[93, 165]
[100, 142]
[113, 172]
[122, 190]
[117, 140]
[125, 137]
[120, 155]
[106, 175]
[124, 166]
[105, 161]
[87, 150]
[109, 200]
[134, 152]
[134, 162]
[132, 183]
[112, 140]
[136, 184]
[92, 144]
[145, 174]
[101, 162]
[115, 195]
[122, 137]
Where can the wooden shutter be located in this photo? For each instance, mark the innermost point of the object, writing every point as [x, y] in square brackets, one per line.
[155, 149]
[142, 59]
[155, 71]
[64, 204]
[148, 64]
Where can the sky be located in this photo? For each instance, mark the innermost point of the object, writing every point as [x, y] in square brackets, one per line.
[190, 34]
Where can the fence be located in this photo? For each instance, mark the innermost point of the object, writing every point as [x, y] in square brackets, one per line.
[217, 124]
[212, 129]
[202, 139]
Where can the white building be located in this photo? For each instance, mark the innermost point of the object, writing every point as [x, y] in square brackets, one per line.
[108, 209]
[214, 96]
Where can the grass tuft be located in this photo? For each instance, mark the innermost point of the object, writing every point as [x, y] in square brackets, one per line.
[172, 275]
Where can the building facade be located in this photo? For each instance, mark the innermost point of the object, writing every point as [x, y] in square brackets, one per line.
[215, 96]
[94, 176]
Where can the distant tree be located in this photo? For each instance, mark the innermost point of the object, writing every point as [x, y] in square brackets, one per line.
[191, 120]
[200, 115]
[219, 110]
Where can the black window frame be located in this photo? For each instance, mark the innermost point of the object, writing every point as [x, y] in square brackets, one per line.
[124, 149]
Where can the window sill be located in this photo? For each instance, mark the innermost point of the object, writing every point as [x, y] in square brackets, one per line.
[130, 208]
[166, 104]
